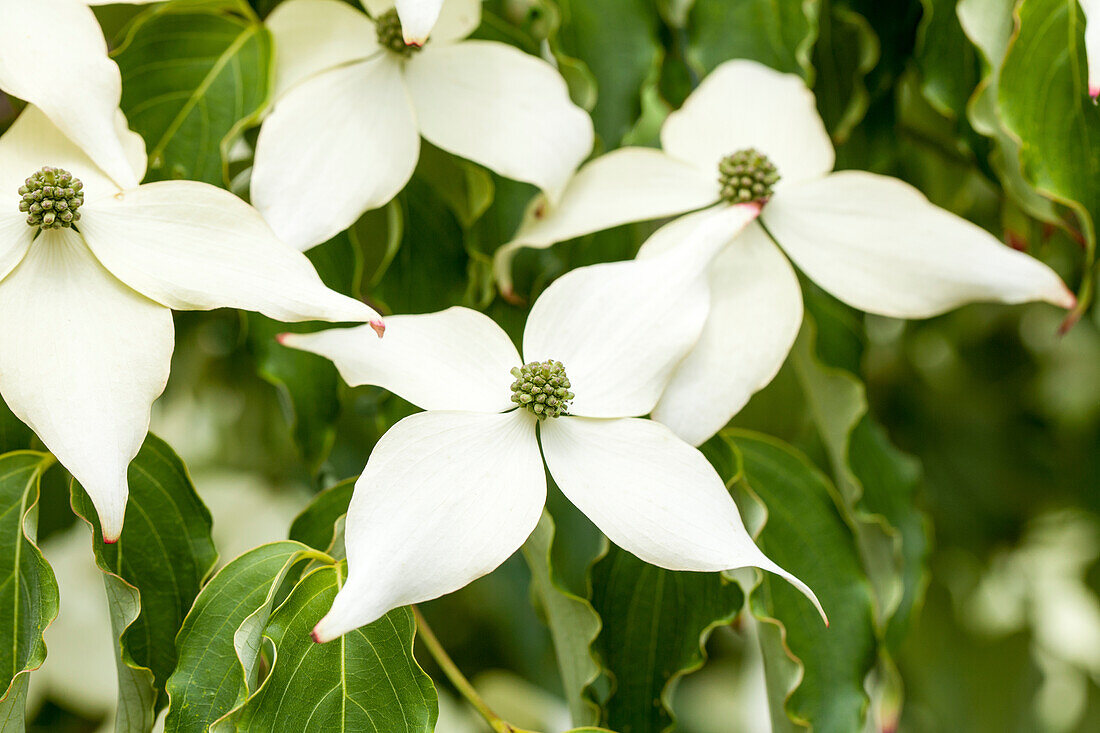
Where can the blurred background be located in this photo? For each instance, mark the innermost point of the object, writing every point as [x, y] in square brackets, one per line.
[999, 407]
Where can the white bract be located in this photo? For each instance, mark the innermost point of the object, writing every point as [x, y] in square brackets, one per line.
[448, 494]
[1092, 45]
[52, 55]
[872, 241]
[353, 100]
[86, 332]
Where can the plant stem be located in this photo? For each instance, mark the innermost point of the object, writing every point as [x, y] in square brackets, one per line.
[456, 677]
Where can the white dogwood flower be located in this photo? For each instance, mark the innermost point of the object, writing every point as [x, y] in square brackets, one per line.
[749, 133]
[353, 99]
[72, 80]
[418, 17]
[450, 493]
[89, 276]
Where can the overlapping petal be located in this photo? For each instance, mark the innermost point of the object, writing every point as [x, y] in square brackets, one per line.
[55, 58]
[457, 19]
[418, 17]
[652, 495]
[316, 173]
[879, 245]
[744, 104]
[312, 36]
[15, 238]
[502, 108]
[82, 358]
[457, 359]
[445, 498]
[755, 314]
[621, 328]
[33, 142]
[192, 246]
[1092, 44]
[628, 184]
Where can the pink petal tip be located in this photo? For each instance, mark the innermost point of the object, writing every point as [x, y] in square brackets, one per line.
[282, 338]
[109, 540]
[316, 637]
[1094, 92]
[379, 327]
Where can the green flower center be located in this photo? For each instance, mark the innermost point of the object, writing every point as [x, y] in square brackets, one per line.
[390, 35]
[542, 388]
[745, 176]
[51, 198]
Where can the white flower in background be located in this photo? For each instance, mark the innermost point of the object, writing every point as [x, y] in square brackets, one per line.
[353, 100]
[749, 133]
[89, 275]
[71, 80]
[1092, 44]
[450, 493]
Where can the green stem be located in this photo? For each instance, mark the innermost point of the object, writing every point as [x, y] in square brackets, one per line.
[457, 679]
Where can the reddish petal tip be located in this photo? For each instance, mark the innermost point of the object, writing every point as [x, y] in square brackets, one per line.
[316, 637]
[110, 540]
[282, 338]
[379, 327]
[1094, 92]
[510, 296]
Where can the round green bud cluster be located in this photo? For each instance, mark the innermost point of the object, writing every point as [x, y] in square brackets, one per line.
[747, 175]
[51, 198]
[542, 388]
[390, 34]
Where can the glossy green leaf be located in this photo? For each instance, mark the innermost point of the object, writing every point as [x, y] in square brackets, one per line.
[319, 524]
[806, 534]
[153, 574]
[947, 61]
[1044, 102]
[656, 623]
[219, 643]
[573, 623]
[367, 680]
[617, 41]
[194, 77]
[779, 33]
[28, 589]
[14, 433]
[989, 25]
[846, 50]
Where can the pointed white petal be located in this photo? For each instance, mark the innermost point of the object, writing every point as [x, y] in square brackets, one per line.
[33, 142]
[82, 357]
[1092, 44]
[312, 36]
[55, 58]
[418, 17]
[744, 104]
[879, 245]
[193, 246]
[502, 108]
[341, 143]
[755, 314]
[621, 328]
[445, 498]
[457, 359]
[628, 184]
[652, 494]
[457, 19]
[15, 238]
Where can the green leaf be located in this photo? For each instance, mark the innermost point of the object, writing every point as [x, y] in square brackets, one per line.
[656, 623]
[152, 574]
[367, 680]
[989, 25]
[219, 643]
[947, 62]
[14, 433]
[194, 76]
[846, 51]
[466, 187]
[318, 525]
[573, 623]
[1045, 104]
[28, 589]
[617, 41]
[779, 33]
[806, 534]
